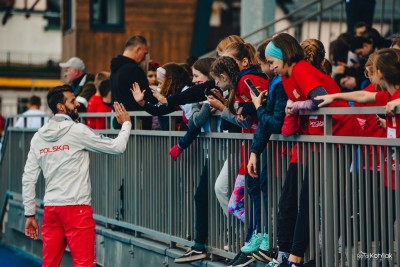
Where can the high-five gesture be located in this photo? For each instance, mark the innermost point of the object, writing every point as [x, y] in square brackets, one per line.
[138, 94]
[120, 113]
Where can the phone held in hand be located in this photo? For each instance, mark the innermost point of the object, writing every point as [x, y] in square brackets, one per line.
[209, 92]
[252, 87]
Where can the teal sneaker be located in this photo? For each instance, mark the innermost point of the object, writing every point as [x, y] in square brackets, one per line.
[265, 243]
[253, 244]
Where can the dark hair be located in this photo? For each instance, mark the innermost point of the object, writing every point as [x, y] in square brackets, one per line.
[358, 42]
[153, 66]
[388, 63]
[176, 77]
[314, 53]
[204, 65]
[104, 88]
[338, 51]
[56, 95]
[35, 101]
[360, 24]
[291, 49]
[327, 67]
[261, 50]
[187, 68]
[227, 66]
[135, 40]
[191, 60]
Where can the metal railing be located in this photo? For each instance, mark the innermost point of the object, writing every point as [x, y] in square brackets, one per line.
[352, 212]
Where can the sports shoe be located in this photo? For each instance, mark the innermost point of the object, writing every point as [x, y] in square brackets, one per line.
[273, 264]
[232, 261]
[175, 151]
[243, 260]
[253, 244]
[270, 255]
[192, 255]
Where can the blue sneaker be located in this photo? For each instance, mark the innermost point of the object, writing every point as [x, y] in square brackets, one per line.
[253, 244]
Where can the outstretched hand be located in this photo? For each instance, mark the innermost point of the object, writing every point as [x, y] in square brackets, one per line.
[120, 113]
[138, 94]
[326, 100]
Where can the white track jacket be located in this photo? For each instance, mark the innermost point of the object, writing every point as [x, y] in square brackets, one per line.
[61, 150]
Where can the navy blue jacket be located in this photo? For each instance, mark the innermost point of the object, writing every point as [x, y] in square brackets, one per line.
[270, 115]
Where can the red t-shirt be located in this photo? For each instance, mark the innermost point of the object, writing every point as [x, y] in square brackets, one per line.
[95, 104]
[371, 128]
[242, 93]
[305, 78]
[392, 130]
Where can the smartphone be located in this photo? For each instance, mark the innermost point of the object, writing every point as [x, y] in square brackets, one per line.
[252, 87]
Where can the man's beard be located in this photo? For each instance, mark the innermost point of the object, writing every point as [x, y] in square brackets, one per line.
[73, 113]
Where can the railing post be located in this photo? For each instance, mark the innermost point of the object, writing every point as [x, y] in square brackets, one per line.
[320, 9]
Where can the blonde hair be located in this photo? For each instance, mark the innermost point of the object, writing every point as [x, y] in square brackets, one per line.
[227, 41]
[101, 76]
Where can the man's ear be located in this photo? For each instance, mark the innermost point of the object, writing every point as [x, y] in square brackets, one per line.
[60, 108]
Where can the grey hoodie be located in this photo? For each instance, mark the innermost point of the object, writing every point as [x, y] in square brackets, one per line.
[61, 150]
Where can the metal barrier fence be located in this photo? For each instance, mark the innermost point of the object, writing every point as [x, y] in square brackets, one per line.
[352, 212]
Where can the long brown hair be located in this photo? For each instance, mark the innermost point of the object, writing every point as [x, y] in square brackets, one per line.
[176, 77]
[228, 67]
[204, 65]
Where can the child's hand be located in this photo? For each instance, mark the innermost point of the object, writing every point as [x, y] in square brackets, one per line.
[215, 103]
[390, 107]
[138, 95]
[160, 97]
[326, 100]
[258, 100]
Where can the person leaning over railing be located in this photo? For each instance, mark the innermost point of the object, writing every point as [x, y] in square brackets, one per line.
[60, 150]
[270, 106]
[386, 74]
[229, 72]
[302, 81]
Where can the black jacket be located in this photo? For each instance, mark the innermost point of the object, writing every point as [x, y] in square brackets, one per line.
[124, 72]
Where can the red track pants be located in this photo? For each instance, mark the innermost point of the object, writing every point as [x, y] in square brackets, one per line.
[69, 225]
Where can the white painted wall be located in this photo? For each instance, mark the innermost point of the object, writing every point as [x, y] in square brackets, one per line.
[22, 37]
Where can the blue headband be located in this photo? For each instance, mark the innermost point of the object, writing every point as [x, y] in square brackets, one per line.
[273, 51]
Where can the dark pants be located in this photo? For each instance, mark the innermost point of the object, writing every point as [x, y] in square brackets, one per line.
[293, 217]
[359, 11]
[254, 187]
[201, 207]
[287, 213]
[189, 137]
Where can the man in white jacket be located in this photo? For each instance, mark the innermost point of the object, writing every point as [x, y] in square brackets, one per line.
[60, 149]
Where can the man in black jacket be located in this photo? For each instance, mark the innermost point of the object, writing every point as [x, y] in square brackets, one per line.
[125, 71]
